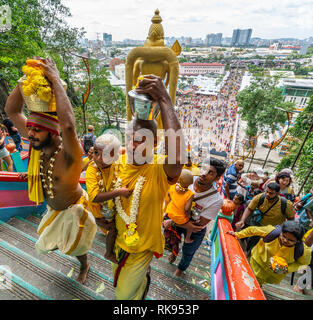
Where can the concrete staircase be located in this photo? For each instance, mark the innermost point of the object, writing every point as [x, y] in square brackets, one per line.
[52, 276]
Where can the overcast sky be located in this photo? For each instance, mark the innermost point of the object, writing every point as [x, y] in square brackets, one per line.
[193, 18]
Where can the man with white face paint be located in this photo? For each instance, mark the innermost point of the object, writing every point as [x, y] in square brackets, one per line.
[99, 179]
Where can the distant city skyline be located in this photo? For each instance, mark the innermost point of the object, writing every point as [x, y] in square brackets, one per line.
[131, 19]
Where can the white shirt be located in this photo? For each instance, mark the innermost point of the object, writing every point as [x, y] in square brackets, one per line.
[209, 206]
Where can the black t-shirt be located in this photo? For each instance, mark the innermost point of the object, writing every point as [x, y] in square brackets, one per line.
[9, 124]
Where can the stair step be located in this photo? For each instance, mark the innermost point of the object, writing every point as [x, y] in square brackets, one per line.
[203, 250]
[56, 259]
[288, 293]
[199, 268]
[194, 273]
[12, 287]
[41, 275]
[162, 287]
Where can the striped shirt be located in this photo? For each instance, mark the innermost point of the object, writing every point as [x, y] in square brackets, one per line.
[230, 178]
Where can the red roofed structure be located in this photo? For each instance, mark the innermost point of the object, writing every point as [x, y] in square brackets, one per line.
[194, 69]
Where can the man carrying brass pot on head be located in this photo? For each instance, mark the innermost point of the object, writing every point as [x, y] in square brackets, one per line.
[54, 170]
[139, 217]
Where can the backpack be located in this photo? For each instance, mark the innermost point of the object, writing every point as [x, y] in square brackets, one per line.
[257, 215]
[88, 143]
[299, 249]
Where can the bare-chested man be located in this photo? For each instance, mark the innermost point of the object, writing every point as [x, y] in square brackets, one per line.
[53, 173]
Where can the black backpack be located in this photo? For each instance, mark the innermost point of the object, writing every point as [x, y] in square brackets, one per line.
[299, 249]
[88, 143]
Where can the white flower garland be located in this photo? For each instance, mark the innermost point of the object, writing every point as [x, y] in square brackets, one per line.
[131, 235]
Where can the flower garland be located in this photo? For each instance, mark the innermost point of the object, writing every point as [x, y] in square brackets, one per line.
[131, 234]
[36, 82]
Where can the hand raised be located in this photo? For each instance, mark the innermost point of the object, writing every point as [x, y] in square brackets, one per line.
[154, 86]
[50, 69]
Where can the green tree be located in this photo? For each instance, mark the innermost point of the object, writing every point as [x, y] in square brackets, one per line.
[38, 29]
[258, 105]
[296, 136]
[106, 103]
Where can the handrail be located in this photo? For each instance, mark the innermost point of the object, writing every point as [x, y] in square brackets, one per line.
[14, 177]
[231, 275]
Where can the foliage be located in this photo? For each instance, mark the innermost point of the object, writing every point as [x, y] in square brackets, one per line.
[38, 29]
[106, 104]
[297, 135]
[258, 105]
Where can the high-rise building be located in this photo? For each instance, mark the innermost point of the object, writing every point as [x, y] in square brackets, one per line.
[214, 39]
[304, 49]
[241, 37]
[107, 39]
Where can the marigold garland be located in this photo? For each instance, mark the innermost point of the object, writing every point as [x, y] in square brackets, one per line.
[278, 264]
[131, 235]
[36, 82]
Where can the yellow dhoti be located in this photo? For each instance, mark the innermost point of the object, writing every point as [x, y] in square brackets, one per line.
[132, 279]
[71, 230]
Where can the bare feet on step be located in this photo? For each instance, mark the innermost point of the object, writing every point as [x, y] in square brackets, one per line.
[178, 273]
[111, 257]
[82, 276]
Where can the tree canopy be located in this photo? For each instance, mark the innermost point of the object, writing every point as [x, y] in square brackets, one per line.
[39, 28]
[294, 140]
[262, 105]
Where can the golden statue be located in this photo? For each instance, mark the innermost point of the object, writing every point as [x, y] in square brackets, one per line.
[153, 58]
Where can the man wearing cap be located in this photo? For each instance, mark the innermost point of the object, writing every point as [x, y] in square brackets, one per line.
[53, 173]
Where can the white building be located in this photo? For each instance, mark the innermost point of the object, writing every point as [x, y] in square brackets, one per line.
[120, 71]
[298, 91]
[201, 68]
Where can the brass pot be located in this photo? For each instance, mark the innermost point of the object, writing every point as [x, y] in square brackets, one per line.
[33, 103]
[142, 106]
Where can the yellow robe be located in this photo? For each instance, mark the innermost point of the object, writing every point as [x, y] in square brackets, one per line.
[132, 279]
[262, 252]
[150, 213]
[92, 185]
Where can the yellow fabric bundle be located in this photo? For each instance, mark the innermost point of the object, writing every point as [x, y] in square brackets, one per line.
[35, 192]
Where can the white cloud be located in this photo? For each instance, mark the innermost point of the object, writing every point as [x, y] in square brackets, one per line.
[195, 18]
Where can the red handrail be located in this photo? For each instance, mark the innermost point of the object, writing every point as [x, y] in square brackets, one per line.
[242, 283]
[14, 177]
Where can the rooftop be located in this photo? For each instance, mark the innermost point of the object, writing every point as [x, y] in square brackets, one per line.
[202, 64]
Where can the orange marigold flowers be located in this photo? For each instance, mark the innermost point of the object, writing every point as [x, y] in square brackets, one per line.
[36, 82]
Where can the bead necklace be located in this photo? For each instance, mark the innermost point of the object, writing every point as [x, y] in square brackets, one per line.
[47, 176]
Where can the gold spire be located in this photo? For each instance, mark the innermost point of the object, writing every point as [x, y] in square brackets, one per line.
[156, 32]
